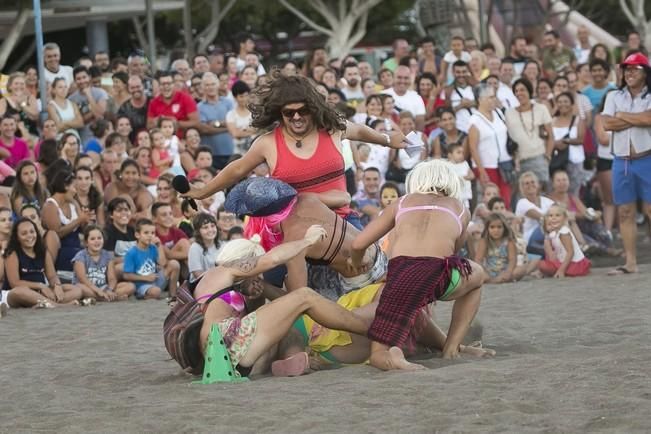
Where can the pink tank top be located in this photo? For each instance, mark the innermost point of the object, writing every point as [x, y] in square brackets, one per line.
[322, 172]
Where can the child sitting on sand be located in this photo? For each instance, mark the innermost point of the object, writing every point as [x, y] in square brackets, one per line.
[30, 271]
[94, 271]
[429, 223]
[563, 255]
[497, 251]
[145, 264]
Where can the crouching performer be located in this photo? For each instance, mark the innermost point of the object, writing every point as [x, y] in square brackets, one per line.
[253, 336]
[278, 214]
[429, 227]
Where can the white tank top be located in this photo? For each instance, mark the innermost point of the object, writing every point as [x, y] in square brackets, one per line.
[62, 217]
[67, 113]
[577, 154]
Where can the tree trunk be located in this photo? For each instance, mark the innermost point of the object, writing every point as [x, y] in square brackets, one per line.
[346, 23]
[187, 29]
[14, 36]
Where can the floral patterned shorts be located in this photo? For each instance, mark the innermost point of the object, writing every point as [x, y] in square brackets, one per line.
[238, 334]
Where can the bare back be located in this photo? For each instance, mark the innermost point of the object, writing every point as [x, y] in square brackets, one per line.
[427, 232]
[308, 211]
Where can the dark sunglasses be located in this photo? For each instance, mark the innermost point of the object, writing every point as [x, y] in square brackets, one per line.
[290, 113]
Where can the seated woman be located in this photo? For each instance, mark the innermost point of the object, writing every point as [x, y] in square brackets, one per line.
[30, 274]
[585, 223]
[250, 336]
[88, 196]
[27, 189]
[63, 215]
[279, 215]
[166, 194]
[430, 226]
[532, 207]
[129, 186]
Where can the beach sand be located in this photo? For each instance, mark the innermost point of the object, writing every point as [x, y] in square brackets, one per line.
[573, 356]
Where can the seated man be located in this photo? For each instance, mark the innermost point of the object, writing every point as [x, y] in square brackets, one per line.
[279, 215]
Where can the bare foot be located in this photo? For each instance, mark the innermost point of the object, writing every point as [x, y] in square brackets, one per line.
[396, 360]
[477, 351]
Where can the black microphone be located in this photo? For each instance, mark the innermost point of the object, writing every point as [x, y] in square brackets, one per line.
[181, 184]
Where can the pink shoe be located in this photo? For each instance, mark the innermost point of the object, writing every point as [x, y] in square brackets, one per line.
[293, 366]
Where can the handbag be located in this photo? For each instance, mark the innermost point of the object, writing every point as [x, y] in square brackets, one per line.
[395, 173]
[561, 157]
[511, 145]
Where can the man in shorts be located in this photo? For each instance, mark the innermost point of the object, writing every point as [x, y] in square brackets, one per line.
[627, 113]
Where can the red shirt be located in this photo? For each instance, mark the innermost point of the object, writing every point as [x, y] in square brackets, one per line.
[322, 172]
[19, 151]
[173, 236]
[179, 108]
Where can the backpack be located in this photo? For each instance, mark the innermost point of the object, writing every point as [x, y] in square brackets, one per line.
[181, 331]
[182, 327]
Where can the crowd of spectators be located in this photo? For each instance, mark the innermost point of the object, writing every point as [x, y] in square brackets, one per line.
[88, 212]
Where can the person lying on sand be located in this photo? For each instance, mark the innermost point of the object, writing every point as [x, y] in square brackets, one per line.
[250, 336]
[328, 347]
[429, 224]
[278, 214]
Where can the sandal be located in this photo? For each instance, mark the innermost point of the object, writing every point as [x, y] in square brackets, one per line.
[88, 301]
[43, 304]
[620, 271]
[292, 366]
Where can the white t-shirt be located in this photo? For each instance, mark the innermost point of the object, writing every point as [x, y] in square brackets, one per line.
[378, 158]
[410, 101]
[463, 115]
[603, 151]
[64, 72]
[200, 260]
[506, 97]
[577, 154]
[462, 170]
[559, 248]
[450, 58]
[492, 140]
[524, 206]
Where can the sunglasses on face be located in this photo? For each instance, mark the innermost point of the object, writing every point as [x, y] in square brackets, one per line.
[290, 113]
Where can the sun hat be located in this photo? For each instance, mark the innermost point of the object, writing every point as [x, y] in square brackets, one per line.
[259, 197]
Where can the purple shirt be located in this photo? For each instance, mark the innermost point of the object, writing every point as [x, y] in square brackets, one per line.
[19, 152]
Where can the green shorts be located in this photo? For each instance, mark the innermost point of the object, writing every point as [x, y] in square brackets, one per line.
[455, 279]
[299, 325]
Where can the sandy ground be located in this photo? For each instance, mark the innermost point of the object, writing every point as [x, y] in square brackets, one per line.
[573, 356]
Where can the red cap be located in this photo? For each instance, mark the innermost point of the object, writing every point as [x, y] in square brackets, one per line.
[636, 59]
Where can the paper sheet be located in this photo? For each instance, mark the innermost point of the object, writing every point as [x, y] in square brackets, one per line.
[414, 144]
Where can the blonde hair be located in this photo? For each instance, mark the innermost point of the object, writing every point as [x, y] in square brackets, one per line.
[525, 175]
[12, 77]
[435, 176]
[239, 249]
[559, 206]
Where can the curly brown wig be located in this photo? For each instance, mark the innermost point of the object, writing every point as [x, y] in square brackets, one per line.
[268, 99]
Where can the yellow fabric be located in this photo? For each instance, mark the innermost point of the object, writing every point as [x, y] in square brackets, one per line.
[322, 339]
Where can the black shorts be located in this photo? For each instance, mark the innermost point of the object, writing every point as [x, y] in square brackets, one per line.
[604, 165]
